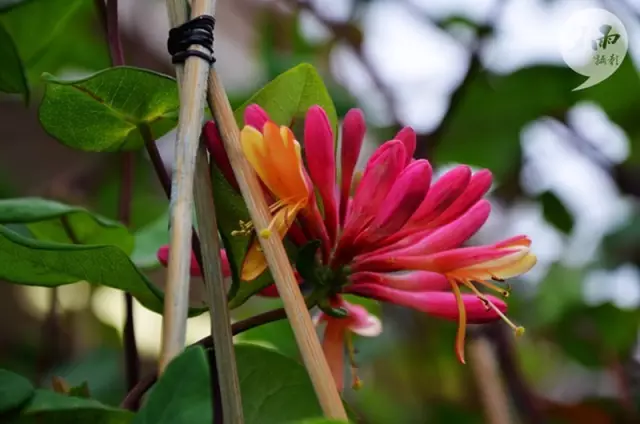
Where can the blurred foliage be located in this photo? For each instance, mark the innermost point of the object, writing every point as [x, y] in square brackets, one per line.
[409, 371]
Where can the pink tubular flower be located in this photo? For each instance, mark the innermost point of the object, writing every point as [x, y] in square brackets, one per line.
[397, 237]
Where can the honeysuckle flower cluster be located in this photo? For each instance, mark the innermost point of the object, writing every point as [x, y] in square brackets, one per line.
[388, 233]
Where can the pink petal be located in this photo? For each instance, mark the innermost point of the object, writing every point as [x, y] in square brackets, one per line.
[406, 194]
[478, 186]
[439, 304]
[353, 130]
[363, 323]
[442, 194]
[321, 164]
[428, 242]
[442, 262]
[219, 156]
[255, 116]
[381, 172]
[408, 137]
[451, 260]
[407, 281]
[519, 240]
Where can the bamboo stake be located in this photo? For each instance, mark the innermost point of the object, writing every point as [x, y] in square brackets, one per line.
[192, 83]
[231, 400]
[484, 366]
[276, 256]
[227, 369]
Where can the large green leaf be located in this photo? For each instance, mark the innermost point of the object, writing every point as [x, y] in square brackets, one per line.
[183, 393]
[30, 262]
[12, 73]
[289, 95]
[275, 389]
[48, 219]
[53, 35]
[104, 111]
[15, 390]
[276, 335]
[48, 407]
[286, 99]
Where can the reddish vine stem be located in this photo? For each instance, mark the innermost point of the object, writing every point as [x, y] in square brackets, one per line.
[109, 14]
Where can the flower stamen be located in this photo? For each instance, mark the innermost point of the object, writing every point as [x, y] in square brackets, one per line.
[518, 330]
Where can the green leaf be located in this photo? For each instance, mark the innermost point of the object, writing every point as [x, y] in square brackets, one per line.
[48, 407]
[12, 73]
[275, 389]
[148, 241]
[555, 212]
[55, 35]
[275, 335]
[289, 95]
[102, 113]
[15, 390]
[45, 219]
[31, 262]
[183, 394]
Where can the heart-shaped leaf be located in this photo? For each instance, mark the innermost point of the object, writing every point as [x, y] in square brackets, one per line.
[31, 262]
[275, 389]
[290, 94]
[55, 221]
[15, 390]
[102, 113]
[286, 100]
[183, 394]
[47, 407]
[12, 73]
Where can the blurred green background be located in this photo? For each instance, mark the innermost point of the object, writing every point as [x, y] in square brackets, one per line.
[483, 83]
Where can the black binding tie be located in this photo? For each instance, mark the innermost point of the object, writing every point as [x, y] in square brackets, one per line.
[196, 31]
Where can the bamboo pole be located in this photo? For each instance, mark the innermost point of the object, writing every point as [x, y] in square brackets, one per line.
[192, 82]
[205, 210]
[276, 256]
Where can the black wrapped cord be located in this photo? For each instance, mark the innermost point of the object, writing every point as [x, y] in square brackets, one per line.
[198, 31]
